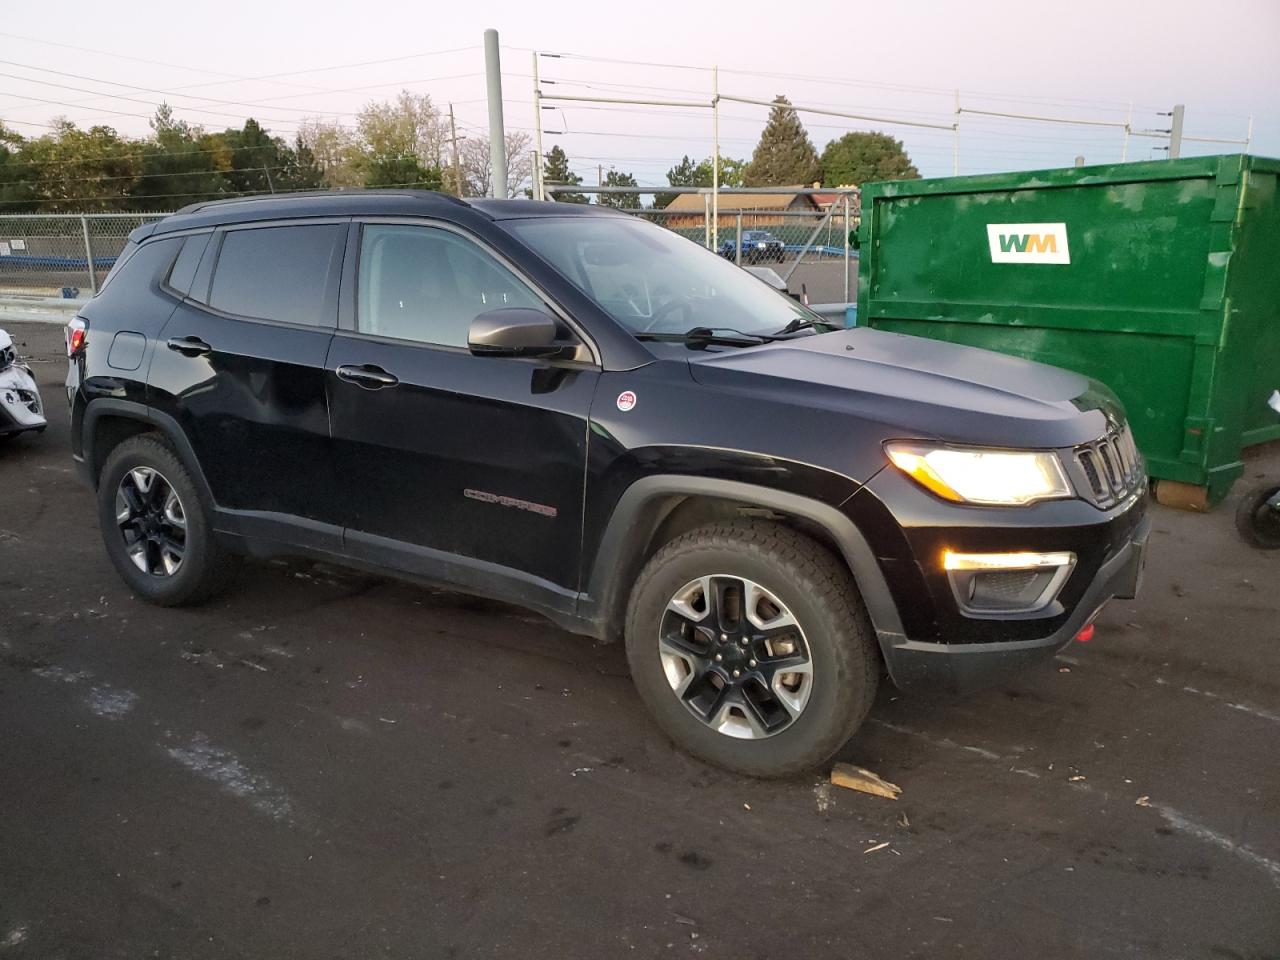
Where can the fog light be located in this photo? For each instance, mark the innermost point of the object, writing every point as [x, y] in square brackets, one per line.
[1000, 584]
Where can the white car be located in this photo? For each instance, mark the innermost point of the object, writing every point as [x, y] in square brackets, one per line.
[20, 406]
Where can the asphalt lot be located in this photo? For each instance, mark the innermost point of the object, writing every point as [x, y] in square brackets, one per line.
[325, 765]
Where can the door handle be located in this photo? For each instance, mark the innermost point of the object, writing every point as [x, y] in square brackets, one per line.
[189, 346]
[369, 376]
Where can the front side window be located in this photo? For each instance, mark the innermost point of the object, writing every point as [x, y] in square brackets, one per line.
[427, 284]
[279, 273]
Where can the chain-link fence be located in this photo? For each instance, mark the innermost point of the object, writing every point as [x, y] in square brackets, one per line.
[803, 234]
[62, 255]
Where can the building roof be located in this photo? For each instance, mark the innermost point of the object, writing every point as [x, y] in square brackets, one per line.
[729, 202]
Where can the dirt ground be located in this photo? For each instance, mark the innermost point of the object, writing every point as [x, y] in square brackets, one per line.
[325, 765]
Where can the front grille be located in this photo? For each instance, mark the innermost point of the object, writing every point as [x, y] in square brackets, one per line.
[1111, 467]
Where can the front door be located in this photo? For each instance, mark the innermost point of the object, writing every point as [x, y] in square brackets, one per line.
[464, 469]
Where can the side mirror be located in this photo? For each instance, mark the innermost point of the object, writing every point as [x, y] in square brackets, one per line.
[513, 332]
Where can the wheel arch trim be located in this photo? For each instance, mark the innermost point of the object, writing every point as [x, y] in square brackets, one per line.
[102, 407]
[626, 531]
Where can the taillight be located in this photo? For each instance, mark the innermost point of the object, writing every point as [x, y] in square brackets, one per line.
[74, 336]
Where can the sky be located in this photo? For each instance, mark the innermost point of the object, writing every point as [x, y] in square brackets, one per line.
[284, 60]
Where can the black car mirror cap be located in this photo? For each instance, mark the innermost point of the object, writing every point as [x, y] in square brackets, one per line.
[515, 332]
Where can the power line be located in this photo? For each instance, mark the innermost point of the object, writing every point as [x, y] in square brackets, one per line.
[261, 101]
[118, 96]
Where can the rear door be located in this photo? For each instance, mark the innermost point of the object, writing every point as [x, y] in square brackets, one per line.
[240, 365]
[462, 468]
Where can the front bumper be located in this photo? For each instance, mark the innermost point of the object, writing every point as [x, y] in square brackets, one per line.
[20, 405]
[927, 636]
[966, 666]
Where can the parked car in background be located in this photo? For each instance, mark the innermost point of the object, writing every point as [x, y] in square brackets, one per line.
[21, 409]
[570, 409]
[758, 246]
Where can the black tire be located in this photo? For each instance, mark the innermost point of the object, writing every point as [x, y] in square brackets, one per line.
[1258, 523]
[820, 594]
[206, 567]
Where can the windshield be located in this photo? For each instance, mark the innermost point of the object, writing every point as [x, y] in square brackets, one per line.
[653, 281]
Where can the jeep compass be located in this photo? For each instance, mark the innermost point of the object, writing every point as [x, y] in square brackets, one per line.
[567, 408]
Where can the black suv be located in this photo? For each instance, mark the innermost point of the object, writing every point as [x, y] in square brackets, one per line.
[576, 411]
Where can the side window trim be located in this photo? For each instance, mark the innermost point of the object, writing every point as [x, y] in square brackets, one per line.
[208, 267]
[349, 309]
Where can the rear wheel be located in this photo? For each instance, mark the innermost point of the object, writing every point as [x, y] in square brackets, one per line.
[156, 528]
[749, 644]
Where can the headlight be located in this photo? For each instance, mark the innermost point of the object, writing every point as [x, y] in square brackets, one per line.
[971, 475]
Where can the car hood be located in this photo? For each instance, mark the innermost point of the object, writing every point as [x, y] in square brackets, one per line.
[921, 389]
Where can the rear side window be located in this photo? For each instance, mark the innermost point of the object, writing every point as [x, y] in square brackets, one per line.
[288, 274]
[184, 268]
[143, 265]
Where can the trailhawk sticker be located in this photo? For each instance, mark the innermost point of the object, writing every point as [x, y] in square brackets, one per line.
[1028, 242]
[626, 400]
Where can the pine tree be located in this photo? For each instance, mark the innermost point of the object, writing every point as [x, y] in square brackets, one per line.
[784, 156]
[555, 170]
[621, 201]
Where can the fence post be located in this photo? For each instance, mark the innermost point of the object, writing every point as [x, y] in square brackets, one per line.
[88, 255]
[737, 257]
[847, 228]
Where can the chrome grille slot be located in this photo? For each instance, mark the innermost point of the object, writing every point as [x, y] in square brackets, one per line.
[1110, 468]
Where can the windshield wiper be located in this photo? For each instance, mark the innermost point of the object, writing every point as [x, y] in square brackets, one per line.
[802, 323]
[704, 336]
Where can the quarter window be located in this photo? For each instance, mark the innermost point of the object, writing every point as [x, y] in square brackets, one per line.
[184, 268]
[280, 273]
[428, 284]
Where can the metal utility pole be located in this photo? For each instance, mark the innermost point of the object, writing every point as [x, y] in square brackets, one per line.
[955, 138]
[1128, 126]
[1175, 132]
[453, 140]
[538, 192]
[497, 129]
[715, 159]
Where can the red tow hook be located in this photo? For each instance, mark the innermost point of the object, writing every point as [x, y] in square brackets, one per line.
[1086, 634]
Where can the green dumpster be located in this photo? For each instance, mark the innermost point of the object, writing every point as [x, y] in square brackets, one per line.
[1160, 279]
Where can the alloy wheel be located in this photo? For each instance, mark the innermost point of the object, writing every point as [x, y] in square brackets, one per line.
[735, 656]
[152, 522]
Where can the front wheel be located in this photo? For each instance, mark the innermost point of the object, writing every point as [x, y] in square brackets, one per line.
[751, 647]
[1258, 518]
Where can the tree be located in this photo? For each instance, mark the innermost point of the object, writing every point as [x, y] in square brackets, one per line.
[784, 156]
[477, 170]
[619, 201]
[555, 170]
[405, 172]
[410, 125]
[179, 166]
[334, 151]
[686, 173]
[858, 158]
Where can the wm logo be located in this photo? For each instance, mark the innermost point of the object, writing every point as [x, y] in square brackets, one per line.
[1028, 242]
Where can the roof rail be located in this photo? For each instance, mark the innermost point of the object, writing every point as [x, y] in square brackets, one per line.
[302, 194]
